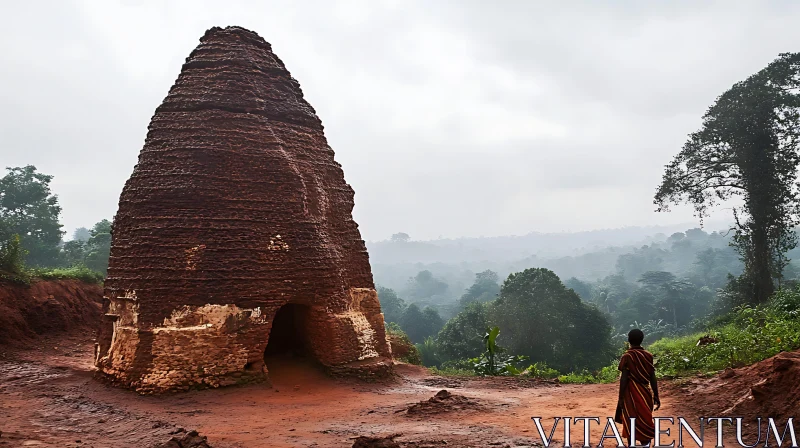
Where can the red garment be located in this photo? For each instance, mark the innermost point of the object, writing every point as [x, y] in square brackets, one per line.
[638, 397]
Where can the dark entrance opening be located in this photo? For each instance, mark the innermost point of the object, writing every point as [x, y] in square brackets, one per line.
[288, 337]
[288, 356]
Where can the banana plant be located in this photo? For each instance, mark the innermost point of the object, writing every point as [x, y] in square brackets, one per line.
[493, 362]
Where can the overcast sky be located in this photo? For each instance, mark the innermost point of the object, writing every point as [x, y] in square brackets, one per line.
[450, 118]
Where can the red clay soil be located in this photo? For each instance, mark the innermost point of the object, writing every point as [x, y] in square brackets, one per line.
[47, 307]
[770, 388]
[48, 396]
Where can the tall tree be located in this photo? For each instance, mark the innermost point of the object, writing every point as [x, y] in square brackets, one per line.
[545, 320]
[400, 237]
[462, 336]
[484, 289]
[98, 247]
[672, 295]
[81, 234]
[747, 148]
[424, 286]
[419, 324]
[391, 304]
[28, 209]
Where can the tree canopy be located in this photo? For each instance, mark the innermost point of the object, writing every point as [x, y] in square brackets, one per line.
[419, 324]
[485, 288]
[391, 305]
[543, 319]
[30, 210]
[747, 148]
[462, 336]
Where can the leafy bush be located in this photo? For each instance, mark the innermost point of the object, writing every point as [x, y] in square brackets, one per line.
[448, 370]
[429, 352]
[12, 264]
[607, 374]
[395, 332]
[653, 331]
[81, 273]
[786, 301]
[751, 335]
[12, 255]
[494, 361]
[540, 370]
[462, 336]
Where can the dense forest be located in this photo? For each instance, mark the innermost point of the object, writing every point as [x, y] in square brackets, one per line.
[668, 284]
[571, 312]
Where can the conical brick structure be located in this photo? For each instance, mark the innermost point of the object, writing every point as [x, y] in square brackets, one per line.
[236, 210]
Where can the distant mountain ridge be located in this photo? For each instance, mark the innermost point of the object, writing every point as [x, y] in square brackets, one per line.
[512, 248]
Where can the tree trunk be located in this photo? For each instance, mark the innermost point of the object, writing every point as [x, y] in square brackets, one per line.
[675, 315]
[763, 286]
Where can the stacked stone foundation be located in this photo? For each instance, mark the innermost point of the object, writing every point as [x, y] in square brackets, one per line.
[223, 345]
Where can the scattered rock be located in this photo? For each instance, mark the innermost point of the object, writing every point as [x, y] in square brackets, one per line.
[443, 402]
[376, 442]
[189, 440]
[441, 381]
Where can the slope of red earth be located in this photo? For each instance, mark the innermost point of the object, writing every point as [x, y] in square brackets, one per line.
[46, 308]
[770, 388]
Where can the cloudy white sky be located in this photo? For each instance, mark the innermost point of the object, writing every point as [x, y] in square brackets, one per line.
[450, 118]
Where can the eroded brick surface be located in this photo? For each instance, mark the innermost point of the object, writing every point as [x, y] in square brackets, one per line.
[235, 208]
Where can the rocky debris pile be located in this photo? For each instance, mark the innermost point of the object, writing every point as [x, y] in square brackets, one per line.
[443, 402]
[189, 439]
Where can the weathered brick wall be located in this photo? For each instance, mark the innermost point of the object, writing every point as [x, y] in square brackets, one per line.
[235, 208]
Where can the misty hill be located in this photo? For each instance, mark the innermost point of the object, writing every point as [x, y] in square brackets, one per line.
[513, 248]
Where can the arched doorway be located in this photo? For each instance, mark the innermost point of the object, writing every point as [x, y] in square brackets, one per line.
[289, 345]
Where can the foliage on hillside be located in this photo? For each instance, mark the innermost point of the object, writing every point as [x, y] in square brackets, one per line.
[748, 334]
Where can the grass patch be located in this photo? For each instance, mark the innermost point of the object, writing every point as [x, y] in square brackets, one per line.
[81, 273]
[607, 374]
[452, 371]
[20, 278]
[753, 334]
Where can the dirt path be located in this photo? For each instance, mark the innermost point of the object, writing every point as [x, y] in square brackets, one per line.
[49, 398]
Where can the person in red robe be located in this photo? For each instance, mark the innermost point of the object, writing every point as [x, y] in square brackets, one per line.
[638, 390]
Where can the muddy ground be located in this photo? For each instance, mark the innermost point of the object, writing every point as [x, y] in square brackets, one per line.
[49, 397]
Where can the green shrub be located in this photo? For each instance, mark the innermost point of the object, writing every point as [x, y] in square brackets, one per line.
[429, 352]
[494, 361]
[751, 335]
[12, 261]
[446, 370]
[540, 370]
[607, 374]
[412, 357]
[81, 273]
[786, 301]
